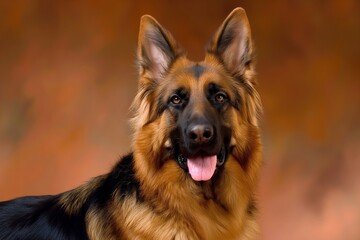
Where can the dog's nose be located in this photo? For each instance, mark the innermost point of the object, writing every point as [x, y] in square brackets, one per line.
[200, 133]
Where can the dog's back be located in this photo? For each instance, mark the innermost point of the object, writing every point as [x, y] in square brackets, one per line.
[39, 218]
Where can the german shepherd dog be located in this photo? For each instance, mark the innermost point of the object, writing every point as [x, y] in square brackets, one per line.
[195, 159]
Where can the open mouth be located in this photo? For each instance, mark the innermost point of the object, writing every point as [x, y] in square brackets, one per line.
[202, 168]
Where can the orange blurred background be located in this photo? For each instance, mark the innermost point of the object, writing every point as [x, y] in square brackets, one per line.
[68, 76]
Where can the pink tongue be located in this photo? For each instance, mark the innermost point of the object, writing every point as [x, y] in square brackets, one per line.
[202, 168]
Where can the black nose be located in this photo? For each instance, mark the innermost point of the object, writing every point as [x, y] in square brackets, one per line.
[200, 133]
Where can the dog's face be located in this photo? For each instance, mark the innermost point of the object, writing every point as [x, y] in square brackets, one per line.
[199, 100]
[199, 108]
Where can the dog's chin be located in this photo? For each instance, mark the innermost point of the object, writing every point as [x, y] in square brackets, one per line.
[202, 167]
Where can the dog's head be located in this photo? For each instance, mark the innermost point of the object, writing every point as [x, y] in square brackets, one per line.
[199, 113]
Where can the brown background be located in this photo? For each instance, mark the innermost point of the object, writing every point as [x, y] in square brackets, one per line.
[67, 78]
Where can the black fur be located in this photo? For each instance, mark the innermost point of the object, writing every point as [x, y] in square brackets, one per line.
[197, 70]
[44, 217]
[39, 218]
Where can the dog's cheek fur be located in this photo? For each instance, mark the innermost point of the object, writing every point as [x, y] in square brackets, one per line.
[248, 149]
[143, 108]
[150, 140]
[251, 107]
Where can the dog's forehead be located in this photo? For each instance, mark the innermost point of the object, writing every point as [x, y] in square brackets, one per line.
[197, 70]
[195, 78]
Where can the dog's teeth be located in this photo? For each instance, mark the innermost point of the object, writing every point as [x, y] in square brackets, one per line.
[232, 142]
[168, 144]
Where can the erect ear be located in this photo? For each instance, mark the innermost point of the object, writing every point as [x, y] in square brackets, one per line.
[157, 49]
[232, 42]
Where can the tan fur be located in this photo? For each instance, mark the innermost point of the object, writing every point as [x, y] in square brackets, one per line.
[99, 225]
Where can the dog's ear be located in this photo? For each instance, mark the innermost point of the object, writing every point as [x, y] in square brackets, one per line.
[232, 42]
[157, 49]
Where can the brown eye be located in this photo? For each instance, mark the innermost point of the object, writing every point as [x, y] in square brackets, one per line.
[220, 97]
[175, 100]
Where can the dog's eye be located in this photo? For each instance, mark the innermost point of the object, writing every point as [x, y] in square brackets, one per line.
[175, 99]
[220, 97]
